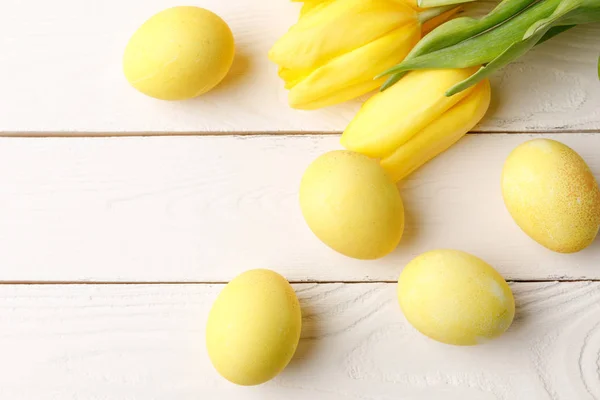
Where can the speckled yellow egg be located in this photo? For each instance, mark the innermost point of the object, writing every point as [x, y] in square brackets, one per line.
[253, 327]
[552, 195]
[455, 298]
[179, 53]
[351, 205]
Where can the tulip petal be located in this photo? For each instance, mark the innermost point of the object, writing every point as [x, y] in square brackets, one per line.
[440, 135]
[338, 28]
[291, 77]
[351, 75]
[390, 119]
[351, 92]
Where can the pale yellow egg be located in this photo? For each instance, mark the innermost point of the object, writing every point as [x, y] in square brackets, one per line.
[552, 195]
[254, 327]
[179, 53]
[351, 205]
[455, 298]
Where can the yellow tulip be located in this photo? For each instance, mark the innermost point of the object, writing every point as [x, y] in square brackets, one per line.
[440, 135]
[332, 54]
[413, 121]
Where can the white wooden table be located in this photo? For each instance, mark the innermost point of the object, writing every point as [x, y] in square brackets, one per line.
[113, 248]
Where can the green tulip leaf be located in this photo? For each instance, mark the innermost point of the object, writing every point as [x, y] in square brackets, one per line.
[483, 48]
[552, 32]
[512, 53]
[458, 30]
[532, 37]
[505, 34]
[565, 7]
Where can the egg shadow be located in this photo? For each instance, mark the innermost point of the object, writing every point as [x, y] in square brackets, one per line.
[525, 315]
[411, 219]
[309, 339]
[240, 68]
[520, 321]
[595, 245]
[522, 314]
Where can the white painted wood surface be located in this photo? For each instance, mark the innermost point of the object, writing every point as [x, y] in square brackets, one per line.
[146, 342]
[203, 209]
[60, 73]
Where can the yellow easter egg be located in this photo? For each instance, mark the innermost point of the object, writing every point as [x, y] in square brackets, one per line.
[253, 328]
[455, 298]
[179, 53]
[351, 205]
[552, 195]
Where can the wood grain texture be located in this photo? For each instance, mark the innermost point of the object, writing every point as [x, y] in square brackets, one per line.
[61, 74]
[203, 209]
[146, 342]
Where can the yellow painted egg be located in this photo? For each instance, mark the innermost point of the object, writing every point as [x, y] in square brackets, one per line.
[253, 327]
[455, 298]
[179, 53]
[351, 205]
[552, 195]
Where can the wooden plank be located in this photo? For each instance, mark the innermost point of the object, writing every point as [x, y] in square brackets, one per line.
[141, 342]
[61, 74]
[203, 209]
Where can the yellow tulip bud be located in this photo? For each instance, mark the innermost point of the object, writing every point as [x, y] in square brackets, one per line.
[351, 75]
[391, 118]
[338, 28]
[332, 54]
[440, 135]
[413, 121]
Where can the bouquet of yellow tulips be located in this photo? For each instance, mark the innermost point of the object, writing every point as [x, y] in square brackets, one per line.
[338, 46]
[342, 49]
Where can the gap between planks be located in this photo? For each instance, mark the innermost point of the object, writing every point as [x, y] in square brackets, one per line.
[293, 282]
[69, 135]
